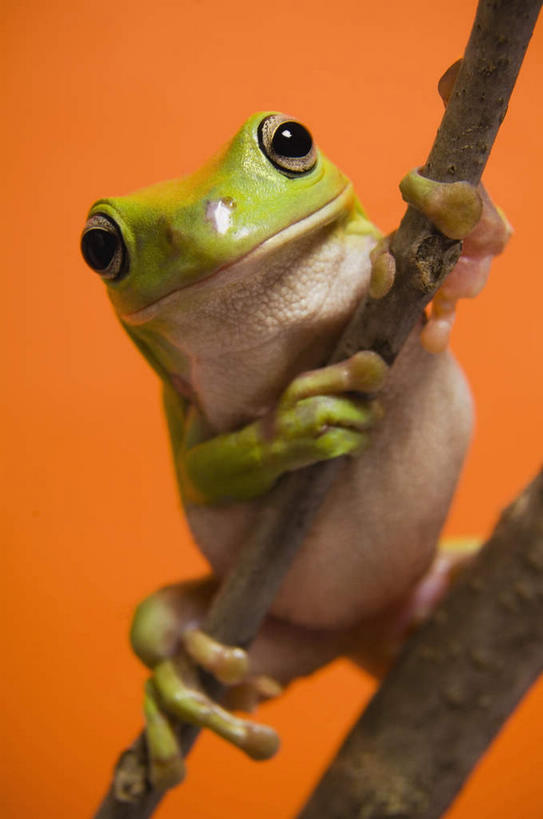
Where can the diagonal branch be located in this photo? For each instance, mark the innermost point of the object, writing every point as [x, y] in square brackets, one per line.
[424, 257]
[458, 679]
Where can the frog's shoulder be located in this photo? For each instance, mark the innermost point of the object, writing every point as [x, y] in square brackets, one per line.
[358, 223]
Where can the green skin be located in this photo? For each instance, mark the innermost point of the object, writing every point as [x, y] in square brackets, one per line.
[172, 245]
[174, 242]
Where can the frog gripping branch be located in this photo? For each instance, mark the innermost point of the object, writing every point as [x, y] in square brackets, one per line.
[286, 438]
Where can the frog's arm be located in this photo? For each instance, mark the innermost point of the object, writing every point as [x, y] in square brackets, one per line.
[313, 421]
[210, 469]
[460, 211]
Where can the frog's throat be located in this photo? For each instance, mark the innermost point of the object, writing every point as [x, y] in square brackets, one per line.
[324, 215]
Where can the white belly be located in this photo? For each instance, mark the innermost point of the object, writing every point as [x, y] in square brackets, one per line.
[377, 530]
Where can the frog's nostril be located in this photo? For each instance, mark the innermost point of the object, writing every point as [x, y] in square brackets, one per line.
[103, 247]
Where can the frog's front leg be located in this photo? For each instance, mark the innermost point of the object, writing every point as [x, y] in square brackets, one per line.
[460, 211]
[318, 417]
[166, 637]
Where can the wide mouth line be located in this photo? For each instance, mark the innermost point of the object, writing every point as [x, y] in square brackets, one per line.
[140, 312]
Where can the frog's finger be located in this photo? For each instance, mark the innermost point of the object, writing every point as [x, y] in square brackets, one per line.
[336, 442]
[321, 428]
[383, 268]
[228, 664]
[311, 417]
[469, 275]
[190, 705]
[331, 443]
[363, 372]
[490, 235]
[166, 765]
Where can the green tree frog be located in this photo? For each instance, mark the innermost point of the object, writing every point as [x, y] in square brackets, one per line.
[236, 283]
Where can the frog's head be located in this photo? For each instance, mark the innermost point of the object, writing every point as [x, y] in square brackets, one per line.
[270, 185]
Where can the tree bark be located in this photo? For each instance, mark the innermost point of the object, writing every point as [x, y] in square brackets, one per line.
[456, 682]
[424, 257]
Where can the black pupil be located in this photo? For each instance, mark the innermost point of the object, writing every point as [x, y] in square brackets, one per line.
[99, 248]
[292, 139]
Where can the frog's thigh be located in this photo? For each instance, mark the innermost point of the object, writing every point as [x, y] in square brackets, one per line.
[161, 618]
[285, 651]
[452, 556]
[377, 641]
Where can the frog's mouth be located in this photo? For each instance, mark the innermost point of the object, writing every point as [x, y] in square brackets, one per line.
[325, 215]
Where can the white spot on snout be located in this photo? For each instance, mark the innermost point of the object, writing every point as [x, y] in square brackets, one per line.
[219, 213]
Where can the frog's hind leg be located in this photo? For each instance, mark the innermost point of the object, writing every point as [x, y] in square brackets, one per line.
[166, 636]
[377, 641]
[453, 555]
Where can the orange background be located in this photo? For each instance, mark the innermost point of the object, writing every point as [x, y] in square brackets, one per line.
[104, 97]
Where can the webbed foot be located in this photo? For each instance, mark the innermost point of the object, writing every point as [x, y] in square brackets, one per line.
[165, 637]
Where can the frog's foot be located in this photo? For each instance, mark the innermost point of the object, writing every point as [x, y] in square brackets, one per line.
[320, 416]
[173, 647]
[460, 211]
[379, 640]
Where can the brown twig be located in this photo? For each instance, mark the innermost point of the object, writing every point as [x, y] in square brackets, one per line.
[424, 257]
[459, 678]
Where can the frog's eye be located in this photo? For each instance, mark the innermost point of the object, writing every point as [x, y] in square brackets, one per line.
[287, 144]
[103, 247]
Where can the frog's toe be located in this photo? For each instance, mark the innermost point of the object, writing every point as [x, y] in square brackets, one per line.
[166, 764]
[189, 704]
[228, 664]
